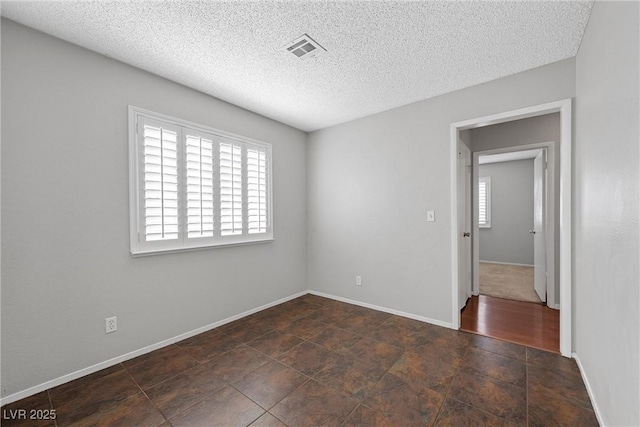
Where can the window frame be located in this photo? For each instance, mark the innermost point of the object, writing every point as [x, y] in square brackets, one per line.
[487, 181]
[138, 247]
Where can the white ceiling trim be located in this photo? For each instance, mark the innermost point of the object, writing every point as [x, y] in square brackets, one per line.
[508, 157]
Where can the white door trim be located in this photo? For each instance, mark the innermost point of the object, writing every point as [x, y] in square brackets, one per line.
[465, 216]
[564, 107]
[541, 236]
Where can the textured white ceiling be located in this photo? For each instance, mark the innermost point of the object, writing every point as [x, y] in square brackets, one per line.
[380, 54]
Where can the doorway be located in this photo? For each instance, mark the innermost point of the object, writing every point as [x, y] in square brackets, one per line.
[512, 218]
[460, 282]
[511, 215]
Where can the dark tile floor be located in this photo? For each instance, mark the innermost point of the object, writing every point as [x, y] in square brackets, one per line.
[315, 361]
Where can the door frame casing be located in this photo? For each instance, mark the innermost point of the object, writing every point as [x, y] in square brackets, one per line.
[564, 107]
[467, 177]
[550, 217]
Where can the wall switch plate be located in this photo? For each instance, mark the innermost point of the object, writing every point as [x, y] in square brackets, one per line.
[111, 324]
[358, 280]
[431, 216]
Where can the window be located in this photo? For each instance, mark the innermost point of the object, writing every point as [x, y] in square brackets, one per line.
[484, 202]
[195, 187]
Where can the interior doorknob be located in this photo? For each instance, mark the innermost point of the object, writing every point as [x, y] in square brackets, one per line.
[532, 231]
[466, 234]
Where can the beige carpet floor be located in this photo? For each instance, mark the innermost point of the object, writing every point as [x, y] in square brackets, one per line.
[507, 281]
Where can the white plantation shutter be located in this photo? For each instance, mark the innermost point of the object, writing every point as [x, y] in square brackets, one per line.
[160, 182]
[199, 162]
[230, 188]
[195, 187]
[257, 190]
[484, 202]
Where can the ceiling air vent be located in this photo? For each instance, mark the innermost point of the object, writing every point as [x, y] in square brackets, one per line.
[305, 47]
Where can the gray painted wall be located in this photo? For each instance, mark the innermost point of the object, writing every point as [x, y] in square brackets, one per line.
[65, 235]
[371, 182]
[508, 239]
[606, 211]
[533, 130]
[543, 128]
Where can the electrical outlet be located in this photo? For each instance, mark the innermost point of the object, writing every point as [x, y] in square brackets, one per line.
[358, 280]
[431, 216]
[111, 324]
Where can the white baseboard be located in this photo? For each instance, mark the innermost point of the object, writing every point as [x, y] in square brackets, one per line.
[589, 390]
[385, 309]
[507, 263]
[114, 361]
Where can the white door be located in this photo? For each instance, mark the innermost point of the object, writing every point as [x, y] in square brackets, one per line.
[464, 224]
[539, 242]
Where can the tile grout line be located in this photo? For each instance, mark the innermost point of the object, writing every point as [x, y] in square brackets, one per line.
[190, 406]
[312, 377]
[492, 378]
[502, 341]
[198, 363]
[446, 396]
[378, 382]
[352, 412]
[55, 420]
[361, 402]
[145, 393]
[273, 359]
[292, 391]
[526, 388]
[484, 409]
[227, 384]
[267, 410]
[361, 336]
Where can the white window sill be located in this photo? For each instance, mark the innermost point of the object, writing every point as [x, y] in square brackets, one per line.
[200, 248]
